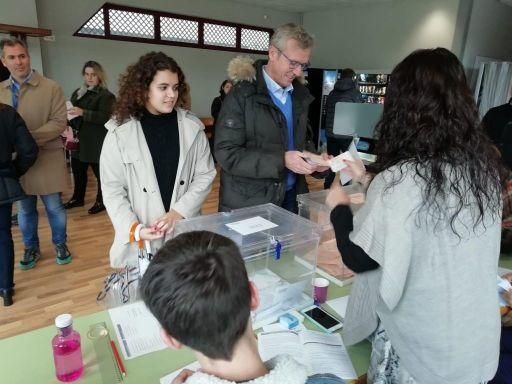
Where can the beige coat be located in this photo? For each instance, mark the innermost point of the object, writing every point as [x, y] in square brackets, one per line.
[41, 104]
[129, 184]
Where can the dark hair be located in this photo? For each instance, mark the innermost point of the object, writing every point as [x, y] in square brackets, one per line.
[134, 85]
[430, 121]
[197, 287]
[347, 73]
[221, 89]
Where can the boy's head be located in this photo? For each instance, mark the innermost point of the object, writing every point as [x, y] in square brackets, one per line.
[197, 288]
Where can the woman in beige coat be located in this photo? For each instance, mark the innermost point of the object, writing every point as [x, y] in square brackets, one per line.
[155, 164]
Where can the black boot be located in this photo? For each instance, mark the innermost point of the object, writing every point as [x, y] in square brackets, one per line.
[96, 208]
[7, 296]
[73, 203]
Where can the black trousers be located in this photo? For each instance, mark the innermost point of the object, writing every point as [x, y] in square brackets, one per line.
[6, 248]
[79, 169]
[335, 147]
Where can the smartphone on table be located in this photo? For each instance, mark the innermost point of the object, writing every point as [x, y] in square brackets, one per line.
[320, 317]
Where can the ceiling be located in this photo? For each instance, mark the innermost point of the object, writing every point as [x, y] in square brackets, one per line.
[305, 5]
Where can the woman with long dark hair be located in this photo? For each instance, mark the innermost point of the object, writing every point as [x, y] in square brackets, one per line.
[426, 242]
[156, 167]
[224, 89]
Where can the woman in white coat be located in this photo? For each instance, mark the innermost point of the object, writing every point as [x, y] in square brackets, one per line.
[155, 165]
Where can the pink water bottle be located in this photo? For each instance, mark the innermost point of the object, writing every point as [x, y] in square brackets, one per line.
[67, 354]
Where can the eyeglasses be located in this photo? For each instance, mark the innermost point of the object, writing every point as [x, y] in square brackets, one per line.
[294, 64]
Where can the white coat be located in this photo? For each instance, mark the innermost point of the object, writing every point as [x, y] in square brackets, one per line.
[130, 188]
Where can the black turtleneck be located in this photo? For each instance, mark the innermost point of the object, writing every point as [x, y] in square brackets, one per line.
[162, 136]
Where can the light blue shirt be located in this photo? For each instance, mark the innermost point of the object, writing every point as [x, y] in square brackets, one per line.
[279, 92]
[282, 98]
[15, 88]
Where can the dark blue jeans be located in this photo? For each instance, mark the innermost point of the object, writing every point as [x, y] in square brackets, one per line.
[290, 200]
[28, 219]
[6, 248]
[504, 374]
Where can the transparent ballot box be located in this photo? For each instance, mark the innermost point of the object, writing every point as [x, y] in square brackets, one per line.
[312, 207]
[279, 250]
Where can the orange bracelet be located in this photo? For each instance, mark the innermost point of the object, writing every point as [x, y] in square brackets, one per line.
[132, 232]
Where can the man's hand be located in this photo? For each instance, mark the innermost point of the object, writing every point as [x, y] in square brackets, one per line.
[295, 162]
[166, 223]
[183, 376]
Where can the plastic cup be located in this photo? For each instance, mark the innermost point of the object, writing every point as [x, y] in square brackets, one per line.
[320, 286]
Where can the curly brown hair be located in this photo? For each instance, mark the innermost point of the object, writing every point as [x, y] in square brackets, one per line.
[134, 85]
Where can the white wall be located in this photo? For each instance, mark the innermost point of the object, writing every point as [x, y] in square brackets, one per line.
[489, 32]
[379, 35]
[204, 69]
[23, 13]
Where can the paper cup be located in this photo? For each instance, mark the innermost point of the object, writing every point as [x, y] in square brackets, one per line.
[320, 286]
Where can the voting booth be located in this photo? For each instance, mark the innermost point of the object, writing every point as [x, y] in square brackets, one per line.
[279, 249]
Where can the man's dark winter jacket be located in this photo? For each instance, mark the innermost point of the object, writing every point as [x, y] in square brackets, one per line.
[251, 139]
[14, 138]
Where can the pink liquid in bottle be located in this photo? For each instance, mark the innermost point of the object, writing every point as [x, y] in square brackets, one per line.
[67, 353]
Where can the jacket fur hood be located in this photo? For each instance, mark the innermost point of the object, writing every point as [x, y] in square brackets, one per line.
[282, 369]
[242, 68]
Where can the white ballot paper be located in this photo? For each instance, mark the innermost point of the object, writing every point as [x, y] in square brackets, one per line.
[503, 285]
[320, 352]
[68, 107]
[167, 379]
[137, 330]
[252, 225]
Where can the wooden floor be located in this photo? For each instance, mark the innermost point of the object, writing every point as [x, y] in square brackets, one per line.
[50, 289]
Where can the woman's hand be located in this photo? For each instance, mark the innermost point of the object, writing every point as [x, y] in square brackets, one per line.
[75, 111]
[150, 234]
[355, 169]
[507, 296]
[337, 196]
[166, 223]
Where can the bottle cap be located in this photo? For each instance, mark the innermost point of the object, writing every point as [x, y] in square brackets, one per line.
[63, 321]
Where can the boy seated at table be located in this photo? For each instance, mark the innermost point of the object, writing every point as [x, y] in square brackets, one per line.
[198, 289]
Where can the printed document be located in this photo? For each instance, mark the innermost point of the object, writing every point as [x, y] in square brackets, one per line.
[252, 225]
[137, 330]
[320, 352]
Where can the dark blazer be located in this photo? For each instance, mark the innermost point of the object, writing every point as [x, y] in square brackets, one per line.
[14, 138]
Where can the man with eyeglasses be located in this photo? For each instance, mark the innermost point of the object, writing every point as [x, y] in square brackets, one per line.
[263, 139]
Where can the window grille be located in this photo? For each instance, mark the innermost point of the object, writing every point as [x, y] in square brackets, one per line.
[119, 22]
[255, 39]
[131, 24]
[180, 30]
[95, 25]
[220, 35]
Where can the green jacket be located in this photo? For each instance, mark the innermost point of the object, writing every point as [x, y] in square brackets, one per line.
[97, 104]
